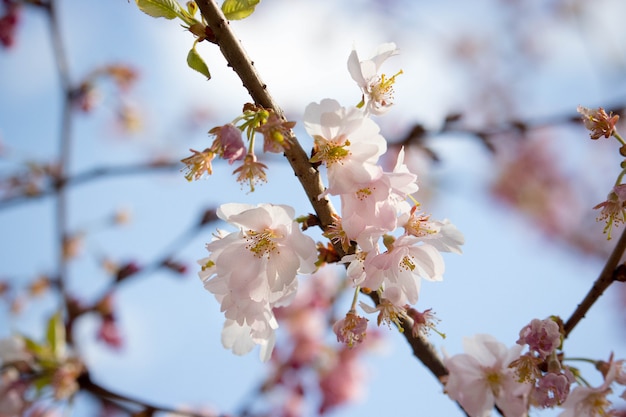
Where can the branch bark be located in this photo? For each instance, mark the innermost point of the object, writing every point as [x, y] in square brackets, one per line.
[610, 273]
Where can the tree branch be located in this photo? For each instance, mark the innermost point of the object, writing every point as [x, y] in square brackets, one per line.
[609, 274]
[239, 61]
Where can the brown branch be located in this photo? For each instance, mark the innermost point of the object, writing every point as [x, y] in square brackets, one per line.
[86, 383]
[88, 176]
[610, 273]
[309, 176]
[239, 61]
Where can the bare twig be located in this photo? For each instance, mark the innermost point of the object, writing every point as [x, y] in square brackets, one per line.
[123, 401]
[88, 176]
[606, 278]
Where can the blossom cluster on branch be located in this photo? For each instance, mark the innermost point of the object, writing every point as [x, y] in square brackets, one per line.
[253, 270]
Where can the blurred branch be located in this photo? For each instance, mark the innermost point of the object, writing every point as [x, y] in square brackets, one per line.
[65, 143]
[87, 384]
[610, 273]
[88, 176]
[452, 124]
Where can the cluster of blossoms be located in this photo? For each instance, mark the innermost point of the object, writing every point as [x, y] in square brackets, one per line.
[228, 144]
[254, 270]
[601, 124]
[375, 204]
[489, 374]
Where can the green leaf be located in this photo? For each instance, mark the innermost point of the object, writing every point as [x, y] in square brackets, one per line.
[238, 9]
[192, 8]
[195, 61]
[168, 9]
[34, 347]
[55, 335]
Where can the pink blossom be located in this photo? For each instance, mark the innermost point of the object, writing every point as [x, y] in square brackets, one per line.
[441, 234]
[613, 209]
[481, 378]
[253, 270]
[228, 142]
[373, 209]
[423, 322]
[403, 265]
[377, 89]
[552, 389]
[587, 402]
[347, 142]
[351, 329]
[598, 122]
[342, 382]
[541, 336]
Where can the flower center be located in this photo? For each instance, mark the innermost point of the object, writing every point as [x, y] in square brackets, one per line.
[330, 151]
[381, 90]
[494, 381]
[363, 193]
[407, 263]
[261, 243]
[419, 226]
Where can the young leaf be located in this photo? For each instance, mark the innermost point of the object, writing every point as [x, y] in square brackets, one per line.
[55, 335]
[238, 9]
[168, 9]
[195, 61]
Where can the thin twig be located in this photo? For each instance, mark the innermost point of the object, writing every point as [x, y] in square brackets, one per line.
[606, 278]
[65, 144]
[88, 176]
[87, 384]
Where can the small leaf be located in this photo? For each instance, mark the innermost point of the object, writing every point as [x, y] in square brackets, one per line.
[34, 347]
[238, 9]
[55, 335]
[195, 61]
[192, 8]
[168, 9]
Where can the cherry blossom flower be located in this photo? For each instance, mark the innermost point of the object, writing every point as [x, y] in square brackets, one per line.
[403, 265]
[613, 209]
[228, 142]
[424, 322]
[587, 402]
[251, 171]
[390, 308]
[377, 89]
[198, 164]
[254, 270]
[276, 133]
[350, 329]
[441, 234]
[347, 142]
[373, 210]
[12, 350]
[481, 378]
[342, 382]
[541, 336]
[598, 122]
[552, 389]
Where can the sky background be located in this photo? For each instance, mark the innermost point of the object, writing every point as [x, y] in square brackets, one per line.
[510, 271]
